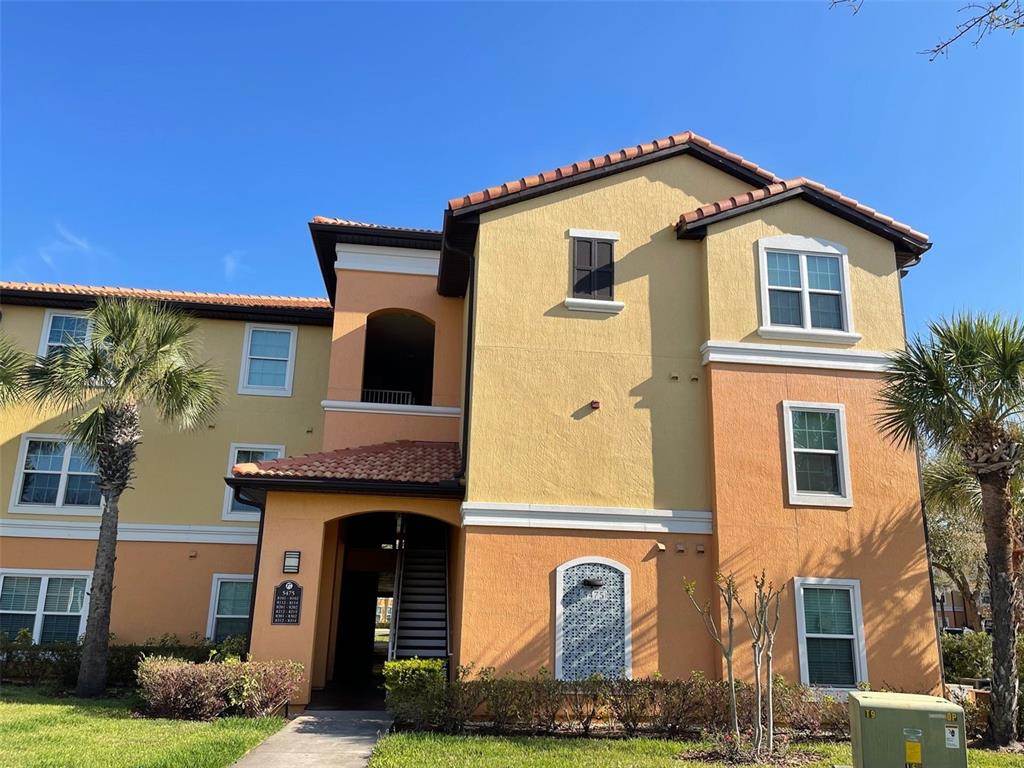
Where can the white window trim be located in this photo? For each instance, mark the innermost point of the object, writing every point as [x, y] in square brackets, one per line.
[605, 306]
[233, 514]
[810, 499]
[860, 652]
[48, 318]
[628, 612]
[59, 508]
[799, 244]
[46, 575]
[211, 617]
[243, 375]
[594, 234]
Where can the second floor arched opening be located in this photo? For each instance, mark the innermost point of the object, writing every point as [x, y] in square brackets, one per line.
[398, 361]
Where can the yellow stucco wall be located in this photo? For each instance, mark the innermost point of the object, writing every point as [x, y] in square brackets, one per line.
[537, 366]
[180, 475]
[733, 295]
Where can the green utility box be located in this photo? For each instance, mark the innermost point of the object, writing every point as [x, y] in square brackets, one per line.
[901, 730]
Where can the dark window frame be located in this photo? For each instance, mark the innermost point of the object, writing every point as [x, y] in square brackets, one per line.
[593, 271]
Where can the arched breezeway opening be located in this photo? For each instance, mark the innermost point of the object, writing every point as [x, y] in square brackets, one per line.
[389, 599]
[398, 361]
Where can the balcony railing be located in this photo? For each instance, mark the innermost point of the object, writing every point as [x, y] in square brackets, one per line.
[389, 396]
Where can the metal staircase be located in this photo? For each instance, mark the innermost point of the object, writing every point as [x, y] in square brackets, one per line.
[420, 614]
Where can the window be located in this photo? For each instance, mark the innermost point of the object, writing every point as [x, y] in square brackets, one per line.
[804, 289]
[62, 329]
[51, 606]
[268, 360]
[398, 359]
[55, 476]
[592, 619]
[242, 453]
[229, 606]
[593, 271]
[830, 626]
[817, 460]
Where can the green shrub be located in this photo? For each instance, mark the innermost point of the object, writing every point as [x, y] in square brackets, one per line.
[506, 699]
[546, 700]
[586, 700]
[632, 702]
[463, 697]
[415, 690]
[966, 655]
[185, 690]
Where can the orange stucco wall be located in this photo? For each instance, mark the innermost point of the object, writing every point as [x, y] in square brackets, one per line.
[508, 597]
[159, 587]
[360, 294]
[879, 540]
[300, 521]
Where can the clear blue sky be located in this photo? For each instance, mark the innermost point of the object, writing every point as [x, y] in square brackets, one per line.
[187, 145]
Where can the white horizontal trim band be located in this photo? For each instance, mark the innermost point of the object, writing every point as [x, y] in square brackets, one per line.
[594, 234]
[586, 518]
[594, 305]
[800, 357]
[198, 534]
[355, 406]
[373, 258]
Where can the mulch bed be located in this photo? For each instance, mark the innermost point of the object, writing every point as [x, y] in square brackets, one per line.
[785, 758]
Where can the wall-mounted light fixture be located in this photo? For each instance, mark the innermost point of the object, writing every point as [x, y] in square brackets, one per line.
[595, 404]
[291, 562]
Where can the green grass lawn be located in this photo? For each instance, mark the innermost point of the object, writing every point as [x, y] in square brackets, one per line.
[37, 731]
[415, 750]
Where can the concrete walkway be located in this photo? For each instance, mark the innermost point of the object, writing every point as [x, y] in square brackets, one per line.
[336, 738]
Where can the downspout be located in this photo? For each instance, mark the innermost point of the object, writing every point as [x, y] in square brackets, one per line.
[237, 493]
[467, 385]
[924, 518]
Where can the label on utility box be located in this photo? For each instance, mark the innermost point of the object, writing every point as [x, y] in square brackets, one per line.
[912, 747]
[952, 737]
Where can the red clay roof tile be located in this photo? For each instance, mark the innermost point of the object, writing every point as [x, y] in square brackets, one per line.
[403, 461]
[737, 202]
[365, 225]
[618, 156]
[193, 297]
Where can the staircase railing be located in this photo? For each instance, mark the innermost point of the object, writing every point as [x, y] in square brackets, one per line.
[396, 591]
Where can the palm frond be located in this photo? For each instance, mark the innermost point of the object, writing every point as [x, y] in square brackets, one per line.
[13, 367]
[187, 395]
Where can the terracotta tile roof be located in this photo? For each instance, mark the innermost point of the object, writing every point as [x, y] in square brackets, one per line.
[402, 461]
[366, 225]
[618, 156]
[191, 297]
[738, 202]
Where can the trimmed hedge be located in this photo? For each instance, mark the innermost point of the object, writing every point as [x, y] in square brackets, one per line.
[419, 697]
[22, 662]
[183, 690]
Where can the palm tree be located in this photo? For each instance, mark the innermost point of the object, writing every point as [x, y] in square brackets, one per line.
[138, 355]
[961, 391]
[956, 541]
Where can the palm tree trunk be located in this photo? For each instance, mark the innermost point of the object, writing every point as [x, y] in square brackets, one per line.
[92, 674]
[115, 464]
[997, 519]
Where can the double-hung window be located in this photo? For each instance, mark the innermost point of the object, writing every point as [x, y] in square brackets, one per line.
[830, 627]
[593, 271]
[229, 606]
[268, 360]
[63, 329]
[805, 290]
[817, 459]
[55, 476]
[50, 606]
[244, 453]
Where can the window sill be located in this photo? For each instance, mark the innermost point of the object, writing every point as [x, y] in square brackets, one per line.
[820, 500]
[808, 334]
[268, 392]
[45, 509]
[594, 305]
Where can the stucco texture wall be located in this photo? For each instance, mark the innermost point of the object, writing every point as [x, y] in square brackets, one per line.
[508, 598]
[180, 475]
[733, 298]
[879, 540]
[537, 366]
[300, 521]
[158, 587]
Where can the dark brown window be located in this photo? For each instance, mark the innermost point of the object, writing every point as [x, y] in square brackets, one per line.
[593, 268]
